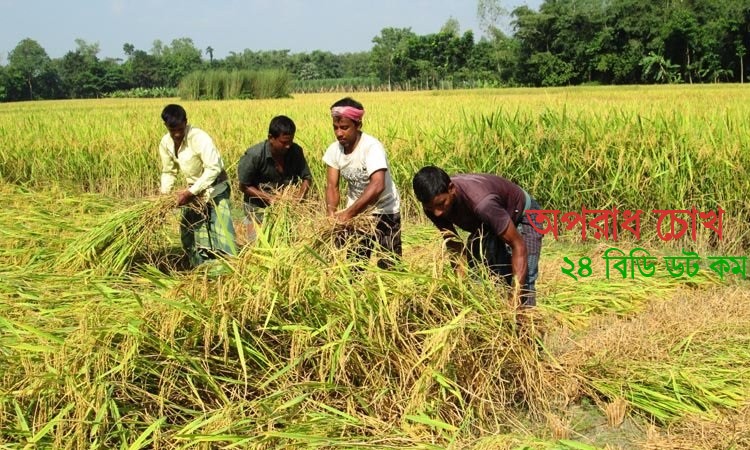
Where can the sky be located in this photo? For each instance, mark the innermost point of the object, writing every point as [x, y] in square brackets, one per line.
[300, 26]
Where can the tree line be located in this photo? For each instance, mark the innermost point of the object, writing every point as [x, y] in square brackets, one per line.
[565, 42]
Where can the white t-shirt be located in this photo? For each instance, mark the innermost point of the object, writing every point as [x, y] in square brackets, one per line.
[367, 158]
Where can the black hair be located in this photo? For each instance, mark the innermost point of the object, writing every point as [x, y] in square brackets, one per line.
[348, 101]
[173, 115]
[429, 182]
[281, 125]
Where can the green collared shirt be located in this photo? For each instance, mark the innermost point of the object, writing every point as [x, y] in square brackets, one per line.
[197, 158]
[256, 168]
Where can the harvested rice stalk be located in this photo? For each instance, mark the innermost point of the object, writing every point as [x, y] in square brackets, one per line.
[332, 230]
[112, 245]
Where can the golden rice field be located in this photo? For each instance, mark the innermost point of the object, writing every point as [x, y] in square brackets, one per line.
[106, 343]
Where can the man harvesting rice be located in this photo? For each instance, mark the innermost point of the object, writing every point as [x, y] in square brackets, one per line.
[360, 159]
[268, 166]
[492, 209]
[206, 228]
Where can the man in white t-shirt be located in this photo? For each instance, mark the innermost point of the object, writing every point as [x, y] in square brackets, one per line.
[361, 160]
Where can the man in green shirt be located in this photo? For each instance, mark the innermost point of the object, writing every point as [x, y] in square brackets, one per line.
[269, 165]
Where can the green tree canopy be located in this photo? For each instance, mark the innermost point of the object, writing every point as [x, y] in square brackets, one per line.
[389, 54]
[29, 62]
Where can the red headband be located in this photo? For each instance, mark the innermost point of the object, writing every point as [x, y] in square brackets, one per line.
[349, 112]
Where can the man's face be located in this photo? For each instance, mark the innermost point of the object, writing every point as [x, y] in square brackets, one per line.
[178, 132]
[441, 204]
[346, 131]
[281, 144]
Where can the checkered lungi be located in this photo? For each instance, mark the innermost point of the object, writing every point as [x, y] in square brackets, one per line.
[491, 250]
[207, 231]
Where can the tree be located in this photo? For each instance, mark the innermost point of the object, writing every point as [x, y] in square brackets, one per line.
[438, 56]
[29, 61]
[86, 49]
[327, 64]
[309, 71]
[549, 70]
[451, 26]
[533, 30]
[489, 13]
[741, 51]
[81, 72]
[387, 54]
[128, 49]
[157, 48]
[356, 65]
[179, 59]
[679, 34]
[659, 69]
[634, 32]
[142, 70]
[210, 51]
[112, 75]
[3, 90]
[79, 75]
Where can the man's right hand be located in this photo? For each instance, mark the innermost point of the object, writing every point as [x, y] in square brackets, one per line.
[184, 197]
[458, 256]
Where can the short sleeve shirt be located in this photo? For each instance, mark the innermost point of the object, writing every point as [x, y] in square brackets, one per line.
[256, 168]
[483, 200]
[356, 168]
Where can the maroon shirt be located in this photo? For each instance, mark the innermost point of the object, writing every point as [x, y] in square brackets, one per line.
[482, 199]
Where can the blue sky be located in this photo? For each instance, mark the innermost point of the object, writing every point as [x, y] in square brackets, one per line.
[225, 25]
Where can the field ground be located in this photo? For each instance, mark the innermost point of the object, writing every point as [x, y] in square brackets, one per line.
[292, 345]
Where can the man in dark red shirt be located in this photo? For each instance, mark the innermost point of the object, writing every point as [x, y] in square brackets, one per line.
[491, 209]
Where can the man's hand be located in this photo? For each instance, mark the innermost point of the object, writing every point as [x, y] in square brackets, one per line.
[458, 252]
[184, 197]
[343, 216]
[334, 221]
[515, 294]
[518, 260]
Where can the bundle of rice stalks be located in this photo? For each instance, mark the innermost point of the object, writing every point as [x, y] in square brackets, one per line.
[333, 229]
[113, 244]
[289, 222]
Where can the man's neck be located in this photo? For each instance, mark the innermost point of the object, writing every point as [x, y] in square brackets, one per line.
[354, 145]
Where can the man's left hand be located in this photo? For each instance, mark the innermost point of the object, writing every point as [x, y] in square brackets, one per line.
[343, 216]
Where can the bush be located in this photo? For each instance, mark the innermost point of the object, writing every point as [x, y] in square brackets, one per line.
[236, 84]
